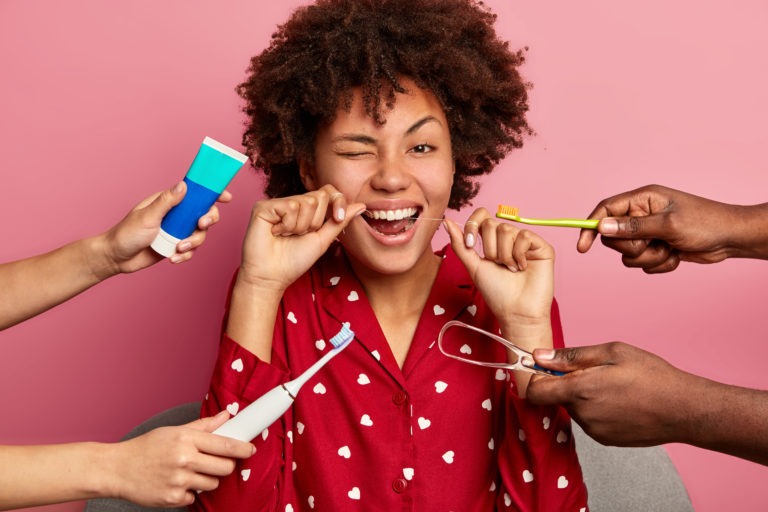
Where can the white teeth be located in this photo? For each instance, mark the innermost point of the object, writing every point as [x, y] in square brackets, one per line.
[391, 215]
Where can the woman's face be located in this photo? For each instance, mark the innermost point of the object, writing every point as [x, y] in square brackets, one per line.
[401, 170]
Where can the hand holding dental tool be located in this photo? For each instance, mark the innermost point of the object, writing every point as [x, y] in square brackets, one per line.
[656, 227]
[252, 420]
[211, 171]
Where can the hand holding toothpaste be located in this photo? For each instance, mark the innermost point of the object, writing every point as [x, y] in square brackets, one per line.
[127, 244]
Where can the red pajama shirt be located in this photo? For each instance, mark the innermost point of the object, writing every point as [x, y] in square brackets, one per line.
[364, 435]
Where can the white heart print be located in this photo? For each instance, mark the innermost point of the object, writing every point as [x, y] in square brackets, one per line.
[289, 435]
[352, 297]
[245, 474]
[501, 374]
[366, 421]
[289, 508]
[527, 476]
[264, 434]
[465, 349]
[521, 434]
[319, 388]
[472, 310]
[363, 379]
[545, 422]
[507, 500]
[299, 427]
[345, 452]
[376, 354]
[424, 423]
[237, 365]
[320, 344]
[562, 482]
[438, 310]
[487, 404]
[490, 444]
[291, 317]
[408, 473]
[233, 408]
[448, 456]
[311, 501]
[335, 280]
[562, 437]
[354, 493]
[440, 386]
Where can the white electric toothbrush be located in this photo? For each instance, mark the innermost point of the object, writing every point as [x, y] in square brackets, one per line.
[260, 414]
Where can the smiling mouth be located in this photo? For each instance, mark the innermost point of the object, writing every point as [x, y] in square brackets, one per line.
[392, 222]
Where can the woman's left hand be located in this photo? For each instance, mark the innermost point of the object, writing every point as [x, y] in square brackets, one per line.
[514, 271]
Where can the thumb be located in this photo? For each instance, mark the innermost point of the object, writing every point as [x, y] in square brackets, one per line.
[210, 423]
[166, 200]
[332, 229]
[644, 227]
[571, 358]
[467, 255]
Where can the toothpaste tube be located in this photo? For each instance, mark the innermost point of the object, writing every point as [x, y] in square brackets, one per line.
[211, 171]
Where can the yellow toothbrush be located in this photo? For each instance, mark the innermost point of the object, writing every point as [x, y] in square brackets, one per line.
[511, 213]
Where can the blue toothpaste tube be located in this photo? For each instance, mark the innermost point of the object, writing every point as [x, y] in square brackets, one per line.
[211, 171]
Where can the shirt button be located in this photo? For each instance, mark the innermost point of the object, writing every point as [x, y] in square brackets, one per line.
[399, 485]
[399, 397]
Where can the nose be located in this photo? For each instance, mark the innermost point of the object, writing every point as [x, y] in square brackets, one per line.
[392, 175]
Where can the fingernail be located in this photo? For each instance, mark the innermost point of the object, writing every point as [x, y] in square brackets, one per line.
[184, 246]
[177, 188]
[512, 268]
[609, 226]
[469, 240]
[205, 222]
[545, 354]
[175, 258]
[253, 449]
[340, 214]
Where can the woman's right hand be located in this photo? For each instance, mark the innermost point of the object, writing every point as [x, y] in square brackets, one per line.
[286, 236]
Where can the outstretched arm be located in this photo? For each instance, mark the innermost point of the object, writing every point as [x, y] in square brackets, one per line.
[162, 468]
[655, 228]
[622, 395]
[33, 285]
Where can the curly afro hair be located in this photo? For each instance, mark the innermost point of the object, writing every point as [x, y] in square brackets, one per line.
[324, 50]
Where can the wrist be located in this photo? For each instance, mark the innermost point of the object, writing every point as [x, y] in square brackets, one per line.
[528, 333]
[99, 472]
[99, 259]
[750, 232]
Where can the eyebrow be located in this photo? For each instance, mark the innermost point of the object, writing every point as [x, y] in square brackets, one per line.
[367, 139]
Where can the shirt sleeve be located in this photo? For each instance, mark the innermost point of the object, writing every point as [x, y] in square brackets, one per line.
[239, 378]
[538, 464]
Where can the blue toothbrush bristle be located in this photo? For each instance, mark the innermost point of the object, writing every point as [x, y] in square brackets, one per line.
[344, 335]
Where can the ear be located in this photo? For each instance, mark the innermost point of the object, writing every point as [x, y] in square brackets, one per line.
[307, 175]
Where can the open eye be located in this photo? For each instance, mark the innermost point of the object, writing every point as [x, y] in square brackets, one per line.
[422, 148]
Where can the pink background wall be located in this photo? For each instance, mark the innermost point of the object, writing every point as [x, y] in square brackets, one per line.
[102, 103]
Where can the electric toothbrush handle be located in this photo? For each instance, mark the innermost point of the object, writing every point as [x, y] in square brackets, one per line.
[252, 420]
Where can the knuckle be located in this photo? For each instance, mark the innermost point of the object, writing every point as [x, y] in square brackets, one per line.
[569, 354]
